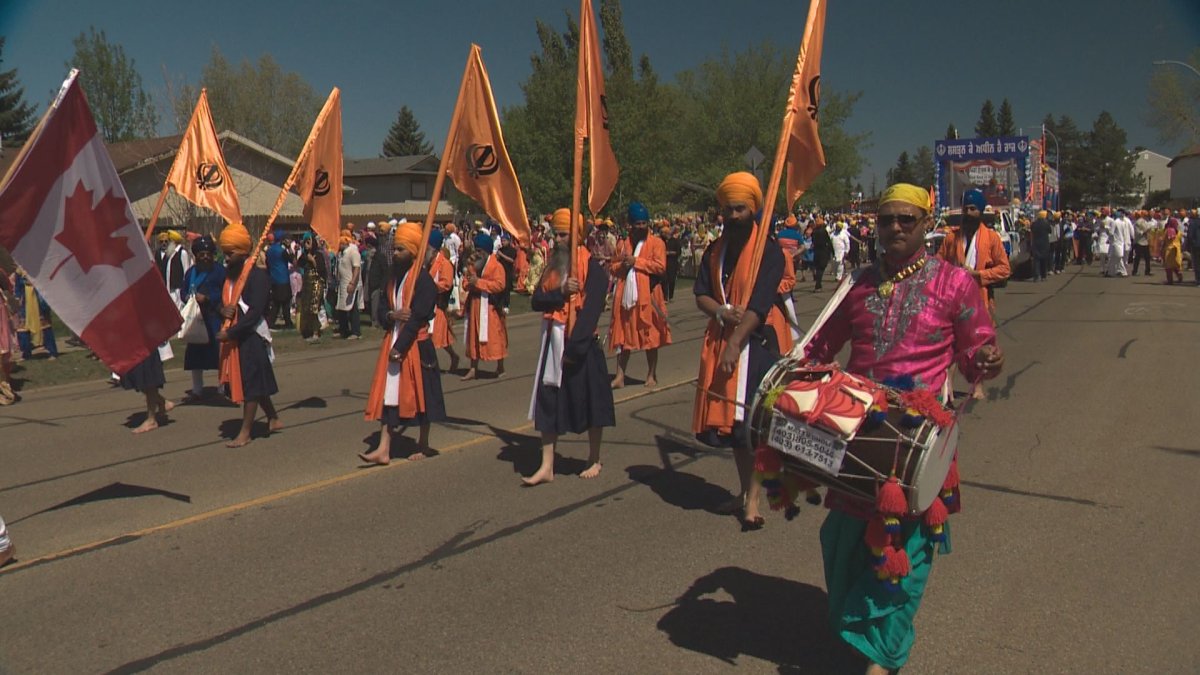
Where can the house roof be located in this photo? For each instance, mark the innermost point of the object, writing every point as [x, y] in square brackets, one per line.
[387, 166]
[1190, 152]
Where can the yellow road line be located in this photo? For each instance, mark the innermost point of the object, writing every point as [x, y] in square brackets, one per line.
[284, 494]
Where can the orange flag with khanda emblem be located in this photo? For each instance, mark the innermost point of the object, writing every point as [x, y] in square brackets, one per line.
[199, 173]
[805, 156]
[591, 112]
[476, 158]
[319, 178]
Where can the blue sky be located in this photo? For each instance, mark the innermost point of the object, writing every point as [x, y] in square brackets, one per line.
[919, 65]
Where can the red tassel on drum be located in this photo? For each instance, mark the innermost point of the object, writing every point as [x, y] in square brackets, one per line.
[935, 520]
[891, 504]
[877, 539]
[896, 566]
[950, 492]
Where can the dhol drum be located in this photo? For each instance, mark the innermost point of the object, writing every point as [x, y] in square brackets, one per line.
[850, 434]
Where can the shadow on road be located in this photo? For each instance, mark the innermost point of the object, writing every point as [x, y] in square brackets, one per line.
[112, 491]
[733, 612]
[687, 491]
[524, 452]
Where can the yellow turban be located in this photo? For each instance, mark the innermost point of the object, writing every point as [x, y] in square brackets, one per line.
[164, 236]
[408, 235]
[175, 236]
[909, 194]
[1042, 213]
[235, 238]
[741, 186]
[561, 220]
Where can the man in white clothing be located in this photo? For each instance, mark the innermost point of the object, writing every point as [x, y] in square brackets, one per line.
[841, 246]
[1119, 240]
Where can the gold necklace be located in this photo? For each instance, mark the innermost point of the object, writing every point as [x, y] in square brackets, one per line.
[888, 286]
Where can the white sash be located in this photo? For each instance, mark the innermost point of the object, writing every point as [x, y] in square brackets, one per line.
[972, 251]
[391, 391]
[435, 278]
[739, 410]
[630, 297]
[483, 318]
[790, 305]
[550, 358]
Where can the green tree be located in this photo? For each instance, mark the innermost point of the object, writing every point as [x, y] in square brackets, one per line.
[257, 100]
[902, 172]
[1005, 125]
[986, 126]
[122, 109]
[1071, 147]
[1173, 103]
[1108, 167]
[16, 115]
[951, 132]
[405, 137]
[922, 167]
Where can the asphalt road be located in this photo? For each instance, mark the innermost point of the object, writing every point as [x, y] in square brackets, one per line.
[169, 552]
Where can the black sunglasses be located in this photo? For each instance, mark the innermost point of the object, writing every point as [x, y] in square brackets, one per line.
[906, 220]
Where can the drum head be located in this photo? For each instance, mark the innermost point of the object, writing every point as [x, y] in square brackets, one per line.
[932, 469]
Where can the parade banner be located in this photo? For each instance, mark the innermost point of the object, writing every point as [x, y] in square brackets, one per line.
[66, 219]
[995, 165]
[319, 175]
[199, 173]
[476, 158]
[591, 113]
[805, 155]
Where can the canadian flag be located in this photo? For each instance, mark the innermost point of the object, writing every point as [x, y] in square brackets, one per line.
[65, 218]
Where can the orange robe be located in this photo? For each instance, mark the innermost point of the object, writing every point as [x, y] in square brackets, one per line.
[442, 272]
[412, 384]
[492, 282]
[521, 271]
[776, 319]
[643, 326]
[990, 259]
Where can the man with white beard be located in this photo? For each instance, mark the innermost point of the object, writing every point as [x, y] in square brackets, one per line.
[1102, 235]
[1119, 241]
[841, 246]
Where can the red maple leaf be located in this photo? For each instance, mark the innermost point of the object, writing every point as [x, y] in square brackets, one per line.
[88, 231]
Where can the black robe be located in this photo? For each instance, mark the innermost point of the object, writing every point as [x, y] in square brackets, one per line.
[258, 377]
[585, 399]
[422, 307]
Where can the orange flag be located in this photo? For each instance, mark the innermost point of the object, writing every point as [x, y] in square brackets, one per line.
[476, 158]
[805, 156]
[199, 173]
[319, 177]
[591, 112]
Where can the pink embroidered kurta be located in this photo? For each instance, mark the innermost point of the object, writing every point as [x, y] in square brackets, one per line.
[933, 318]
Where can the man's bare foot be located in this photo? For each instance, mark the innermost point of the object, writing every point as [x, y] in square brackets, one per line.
[238, 442]
[752, 519]
[372, 458]
[618, 382]
[417, 456]
[651, 382]
[977, 394]
[539, 478]
[592, 471]
[876, 669]
[149, 425]
[275, 424]
[469, 376]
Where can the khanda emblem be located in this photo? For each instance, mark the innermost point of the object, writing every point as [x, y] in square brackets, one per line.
[814, 96]
[481, 160]
[321, 184]
[208, 176]
[604, 109]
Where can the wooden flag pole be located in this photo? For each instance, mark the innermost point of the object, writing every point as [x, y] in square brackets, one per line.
[37, 130]
[162, 198]
[438, 184]
[764, 226]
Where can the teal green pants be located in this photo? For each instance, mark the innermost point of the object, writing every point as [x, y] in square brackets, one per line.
[874, 620]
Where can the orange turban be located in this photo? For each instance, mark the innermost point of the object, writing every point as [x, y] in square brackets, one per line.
[790, 222]
[450, 228]
[741, 186]
[235, 238]
[408, 236]
[561, 220]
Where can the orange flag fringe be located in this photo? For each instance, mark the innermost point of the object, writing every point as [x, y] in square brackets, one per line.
[805, 156]
[476, 158]
[199, 173]
[319, 177]
[591, 112]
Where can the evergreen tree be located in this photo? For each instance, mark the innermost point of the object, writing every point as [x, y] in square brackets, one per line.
[1006, 126]
[986, 127]
[405, 137]
[1071, 142]
[951, 132]
[922, 167]
[16, 115]
[122, 109]
[1108, 167]
[902, 172]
